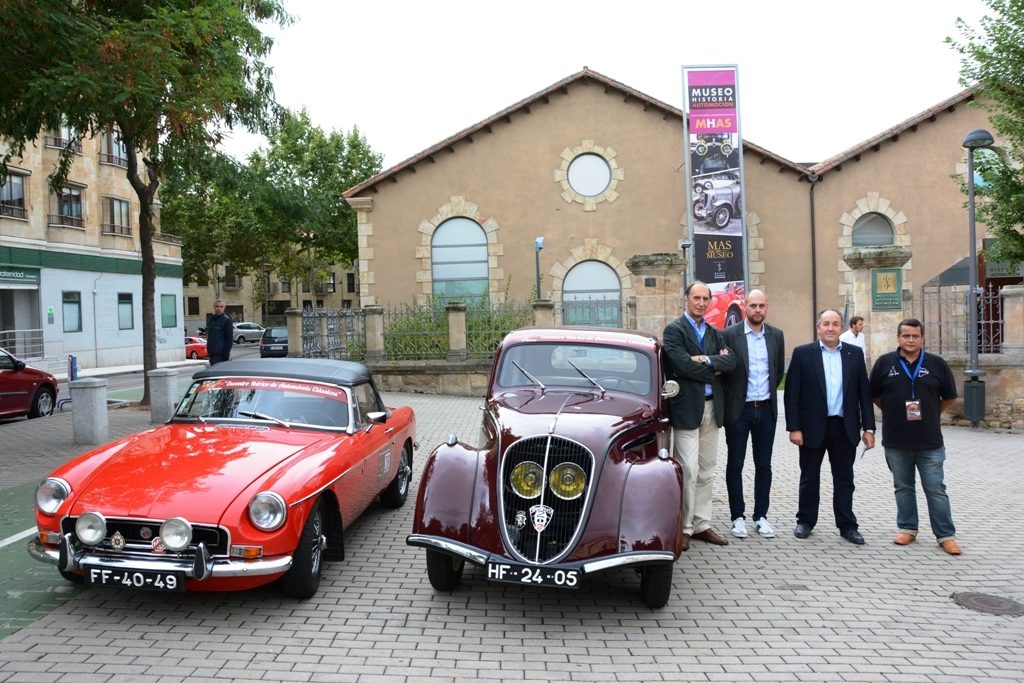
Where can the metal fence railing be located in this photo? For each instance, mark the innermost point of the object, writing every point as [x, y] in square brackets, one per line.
[415, 332]
[944, 313]
[26, 344]
[487, 325]
[592, 313]
[339, 334]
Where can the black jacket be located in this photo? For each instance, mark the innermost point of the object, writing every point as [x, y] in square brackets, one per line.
[735, 383]
[679, 343]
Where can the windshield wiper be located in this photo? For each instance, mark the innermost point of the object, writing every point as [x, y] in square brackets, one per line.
[528, 375]
[264, 416]
[585, 375]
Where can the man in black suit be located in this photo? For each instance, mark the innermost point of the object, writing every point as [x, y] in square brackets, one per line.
[828, 402]
[696, 355]
[752, 410]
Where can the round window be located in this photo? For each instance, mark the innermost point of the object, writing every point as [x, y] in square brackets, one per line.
[589, 174]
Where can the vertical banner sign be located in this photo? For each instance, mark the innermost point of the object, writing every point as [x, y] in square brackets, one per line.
[715, 203]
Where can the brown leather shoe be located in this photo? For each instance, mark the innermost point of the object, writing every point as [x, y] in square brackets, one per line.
[949, 545]
[711, 536]
[904, 538]
[685, 545]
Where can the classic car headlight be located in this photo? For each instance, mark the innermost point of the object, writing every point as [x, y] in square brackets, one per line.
[91, 528]
[527, 479]
[568, 481]
[176, 533]
[50, 494]
[267, 511]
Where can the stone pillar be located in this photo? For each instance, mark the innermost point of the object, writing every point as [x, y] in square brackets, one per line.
[456, 312]
[544, 313]
[163, 394]
[294, 319]
[89, 422]
[1013, 319]
[373, 318]
[880, 326]
[658, 283]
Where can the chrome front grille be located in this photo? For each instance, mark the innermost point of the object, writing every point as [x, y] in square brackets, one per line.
[555, 540]
[139, 534]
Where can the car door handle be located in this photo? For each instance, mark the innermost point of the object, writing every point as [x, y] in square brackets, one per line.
[389, 430]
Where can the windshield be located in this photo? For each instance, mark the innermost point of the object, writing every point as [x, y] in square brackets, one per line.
[612, 367]
[271, 400]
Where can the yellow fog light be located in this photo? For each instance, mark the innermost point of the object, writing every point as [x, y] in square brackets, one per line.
[527, 479]
[568, 481]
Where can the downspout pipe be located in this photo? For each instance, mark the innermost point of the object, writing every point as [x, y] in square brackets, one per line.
[813, 179]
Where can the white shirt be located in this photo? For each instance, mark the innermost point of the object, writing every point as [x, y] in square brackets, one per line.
[849, 337]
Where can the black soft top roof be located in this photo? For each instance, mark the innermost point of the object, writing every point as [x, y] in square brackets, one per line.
[339, 372]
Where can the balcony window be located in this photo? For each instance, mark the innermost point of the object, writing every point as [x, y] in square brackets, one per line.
[331, 285]
[12, 197]
[116, 217]
[350, 282]
[66, 208]
[65, 137]
[113, 150]
[286, 286]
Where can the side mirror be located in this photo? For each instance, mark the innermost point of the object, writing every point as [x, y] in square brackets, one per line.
[379, 417]
[19, 365]
[669, 389]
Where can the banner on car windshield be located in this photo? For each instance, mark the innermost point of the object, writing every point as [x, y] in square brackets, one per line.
[714, 201]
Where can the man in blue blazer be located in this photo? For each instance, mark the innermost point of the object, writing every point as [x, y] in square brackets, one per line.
[696, 356]
[828, 403]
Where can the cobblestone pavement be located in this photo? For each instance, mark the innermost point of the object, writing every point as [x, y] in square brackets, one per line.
[758, 610]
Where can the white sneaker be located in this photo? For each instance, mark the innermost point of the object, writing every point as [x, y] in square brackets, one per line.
[764, 528]
[739, 528]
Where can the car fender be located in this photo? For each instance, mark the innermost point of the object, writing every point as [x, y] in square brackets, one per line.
[445, 503]
[652, 507]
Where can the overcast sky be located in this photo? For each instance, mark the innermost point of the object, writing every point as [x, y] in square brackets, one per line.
[815, 76]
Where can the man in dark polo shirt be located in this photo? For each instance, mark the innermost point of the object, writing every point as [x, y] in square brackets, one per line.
[912, 388]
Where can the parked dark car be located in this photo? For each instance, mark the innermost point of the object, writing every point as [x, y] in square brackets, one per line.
[25, 390]
[274, 342]
[574, 472]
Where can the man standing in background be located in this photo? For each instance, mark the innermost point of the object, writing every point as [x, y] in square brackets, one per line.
[220, 333]
[855, 335]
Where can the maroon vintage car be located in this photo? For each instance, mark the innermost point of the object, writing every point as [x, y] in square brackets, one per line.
[573, 475]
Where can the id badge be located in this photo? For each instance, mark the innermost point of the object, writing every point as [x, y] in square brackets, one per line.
[913, 411]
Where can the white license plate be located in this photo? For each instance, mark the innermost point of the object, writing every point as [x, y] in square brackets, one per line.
[526, 575]
[138, 579]
[277, 347]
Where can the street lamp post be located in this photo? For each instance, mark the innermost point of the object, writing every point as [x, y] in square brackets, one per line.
[974, 388]
[538, 244]
[684, 245]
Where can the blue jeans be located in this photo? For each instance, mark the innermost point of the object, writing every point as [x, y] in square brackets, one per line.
[759, 424]
[902, 463]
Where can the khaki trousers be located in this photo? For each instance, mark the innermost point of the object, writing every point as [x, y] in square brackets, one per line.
[697, 450]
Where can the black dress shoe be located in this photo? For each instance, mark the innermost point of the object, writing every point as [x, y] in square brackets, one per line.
[853, 536]
[802, 530]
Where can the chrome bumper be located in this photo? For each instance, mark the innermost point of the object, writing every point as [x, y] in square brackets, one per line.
[207, 567]
[591, 566]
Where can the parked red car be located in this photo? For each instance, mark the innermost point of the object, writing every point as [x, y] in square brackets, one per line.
[195, 348]
[573, 474]
[25, 390]
[254, 479]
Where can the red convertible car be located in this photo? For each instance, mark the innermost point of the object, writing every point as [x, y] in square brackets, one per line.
[574, 473]
[255, 477]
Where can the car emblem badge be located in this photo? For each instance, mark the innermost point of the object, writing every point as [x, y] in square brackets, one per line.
[117, 541]
[146, 533]
[158, 545]
[541, 515]
[520, 519]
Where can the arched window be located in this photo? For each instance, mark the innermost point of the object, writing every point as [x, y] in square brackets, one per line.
[873, 230]
[591, 296]
[458, 256]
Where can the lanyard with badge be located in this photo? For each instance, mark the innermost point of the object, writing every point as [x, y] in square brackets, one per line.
[913, 406]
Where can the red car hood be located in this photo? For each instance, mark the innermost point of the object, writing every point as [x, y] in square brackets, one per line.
[188, 470]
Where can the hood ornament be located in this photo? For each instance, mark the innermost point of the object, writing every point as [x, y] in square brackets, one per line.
[541, 516]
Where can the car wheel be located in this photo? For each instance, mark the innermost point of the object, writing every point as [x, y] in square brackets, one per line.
[444, 571]
[733, 316]
[303, 578]
[240, 340]
[721, 217]
[42, 403]
[72, 577]
[398, 490]
[656, 584]
[194, 355]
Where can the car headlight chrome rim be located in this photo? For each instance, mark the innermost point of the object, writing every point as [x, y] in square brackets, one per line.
[267, 511]
[51, 494]
[527, 479]
[91, 528]
[568, 481]
[176, 533]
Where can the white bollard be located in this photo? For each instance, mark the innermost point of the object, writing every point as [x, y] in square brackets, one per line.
[163, 394]
[89, 422]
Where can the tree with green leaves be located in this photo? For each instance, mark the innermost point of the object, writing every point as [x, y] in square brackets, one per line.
[992, 60]
[168, 75]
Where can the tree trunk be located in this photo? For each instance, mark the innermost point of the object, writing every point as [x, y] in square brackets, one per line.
[145, 193]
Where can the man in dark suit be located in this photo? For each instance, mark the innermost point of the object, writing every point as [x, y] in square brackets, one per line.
[828, 402]
[696, 355]
[752, 410]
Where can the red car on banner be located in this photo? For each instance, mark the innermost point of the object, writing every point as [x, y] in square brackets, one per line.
[728, 305]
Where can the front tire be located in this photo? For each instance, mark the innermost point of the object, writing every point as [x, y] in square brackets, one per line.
[733, 316]
[194, 355]
[42, 403]
[444, 571]
[72, 577]
[656, 584]
[240, 340]
[398, 490]
[303, 578]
